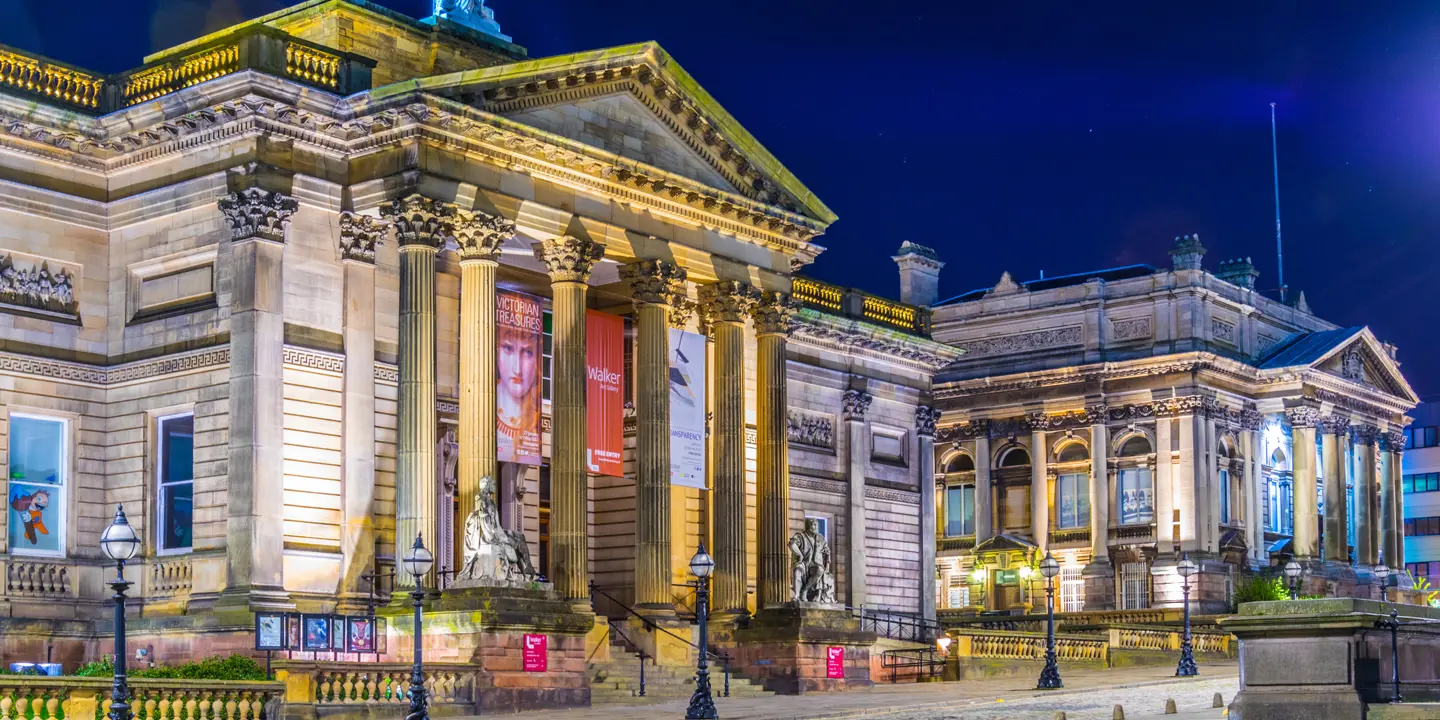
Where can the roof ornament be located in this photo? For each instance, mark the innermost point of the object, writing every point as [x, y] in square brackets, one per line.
[471, 14]
[1006, 286]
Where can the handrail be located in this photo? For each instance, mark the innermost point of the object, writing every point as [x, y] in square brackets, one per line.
[647, 624]
[894, 660]
[922, 629]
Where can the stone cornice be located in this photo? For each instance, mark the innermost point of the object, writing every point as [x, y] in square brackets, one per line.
[828, 332]
[1226, 417]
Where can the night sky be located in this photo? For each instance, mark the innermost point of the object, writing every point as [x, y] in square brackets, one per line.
[1023, 136]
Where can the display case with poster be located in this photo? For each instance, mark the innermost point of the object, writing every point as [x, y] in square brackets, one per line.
[316, 632]
[337, 633]
[360, 634]
[270, 631]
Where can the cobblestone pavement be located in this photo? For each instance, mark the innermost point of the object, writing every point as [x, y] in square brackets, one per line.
[1088, 695]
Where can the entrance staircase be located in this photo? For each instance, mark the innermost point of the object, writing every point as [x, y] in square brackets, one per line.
[617, 680]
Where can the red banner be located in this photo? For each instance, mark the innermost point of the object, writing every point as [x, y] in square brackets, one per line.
[835, 663]
[604, 393]
[518, 329]
[536, 657]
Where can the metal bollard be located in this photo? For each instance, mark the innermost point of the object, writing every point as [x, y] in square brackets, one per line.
[642, 673]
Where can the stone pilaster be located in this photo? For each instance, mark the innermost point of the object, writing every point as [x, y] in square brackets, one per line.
[422, 227]
[772, 327]
[984, 492]
[1367, 496]
[925, 419]
[1255, 512]
[654, 285]
[1302, 427]
[569, 261]
[725, 305]
[480, 236]
[1393, 497]
[1099, 484]
[856, 402]
[255, 546]
[1334, 439]
[1209, 491]
[359, 235]
[1165, 537]
[1039, 489]
[1187, 479]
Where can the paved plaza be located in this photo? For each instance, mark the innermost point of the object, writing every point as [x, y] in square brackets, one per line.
[1088, 695]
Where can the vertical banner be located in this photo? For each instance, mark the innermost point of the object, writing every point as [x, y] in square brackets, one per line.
[835, 663]
[518, 327]
[687, 409]
[604, 393]
[535, 653]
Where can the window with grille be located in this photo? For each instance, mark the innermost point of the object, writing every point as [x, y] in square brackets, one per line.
[1072, 589]
[1134, 586]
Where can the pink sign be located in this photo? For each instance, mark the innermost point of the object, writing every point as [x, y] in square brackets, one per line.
[536, 659]
[835, 663]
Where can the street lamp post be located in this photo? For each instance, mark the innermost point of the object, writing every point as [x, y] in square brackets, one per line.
[1050, 676]
[1292, 578]
[120, 543]
[1382, 571]
[702, 705]
[1187, 668]
[418, 563]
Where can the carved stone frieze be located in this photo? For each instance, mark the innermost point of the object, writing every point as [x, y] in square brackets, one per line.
[968, 431]
[421, 221]
[27, 284]
[360, 235]
[1130, 328]
[480, 235]
[1177, 406]
[849, 336]
[257, 213]
[654, 282]
[772, 313]
[811, 429]
[1222, 330]
[1022, 343]
[569, 259]
[925, 419]
[856, 404]
[727, 301]
[1352, 364]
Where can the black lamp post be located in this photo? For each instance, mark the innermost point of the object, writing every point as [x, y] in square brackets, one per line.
[702, 705]
[1187, 668]
[1050, 676]
[1292, 578]
[120, 543]
[418, 563]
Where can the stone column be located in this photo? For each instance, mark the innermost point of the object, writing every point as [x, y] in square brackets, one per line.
[1187, 478]
[569, 261]
[984, 492]
[480, 236]
[422, 226]
[1210, 490]
[925, 419]
[1334, 438]
[359, 234]
[654, 284]
[1164, 482]
[1393, 497]
[1302, 426]
[1255, 508]
[1099, 484]
[1039, 485]
[856, 403]
[772, 327]
[254, 540]
[726, 305]
[1367, 492]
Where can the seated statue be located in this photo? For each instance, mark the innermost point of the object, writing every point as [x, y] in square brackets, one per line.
[493, 553]
[813, 579]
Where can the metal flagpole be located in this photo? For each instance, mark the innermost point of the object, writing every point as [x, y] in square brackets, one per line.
[1275, 159]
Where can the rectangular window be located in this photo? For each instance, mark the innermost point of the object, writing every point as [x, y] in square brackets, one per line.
[39, 462]
[1072, 589]
[1224, 496]
[960, 510]
[1418, 527]
[1134, 586]
[1421, 483]
[1422, 437]
[1136, 496]
[175, 466]
[1072, 501]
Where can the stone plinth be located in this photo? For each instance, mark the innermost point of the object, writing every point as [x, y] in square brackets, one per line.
[786, 646]
[487, 626]
[1099, 585]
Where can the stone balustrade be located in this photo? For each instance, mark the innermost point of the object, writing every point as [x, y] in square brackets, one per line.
[59, 83]
[1131, 637]
[169, 577]
[858, 305]
[332, 685]
[24, 697]
[39, 579]
[1025, 646]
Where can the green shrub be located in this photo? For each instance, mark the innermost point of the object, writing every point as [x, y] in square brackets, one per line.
[1260, 589]
[235, 667]
[99, 668]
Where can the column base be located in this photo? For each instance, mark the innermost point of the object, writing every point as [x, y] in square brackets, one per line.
[254, 599]
[1099, 584]
[665, 640]
[790, 647]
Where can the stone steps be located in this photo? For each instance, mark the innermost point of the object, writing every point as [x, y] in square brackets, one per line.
[618, 681]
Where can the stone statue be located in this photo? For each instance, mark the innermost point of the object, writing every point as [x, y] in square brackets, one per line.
[491, 552]
[814, 581]
[470, 13]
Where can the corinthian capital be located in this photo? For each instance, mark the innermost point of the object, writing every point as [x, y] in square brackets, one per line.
[925, 419]
[654, 282]
[726, 301]
[1393, 441]
[1096, 414]
[259, 214]
[359, 236]
[1303, 416]
[1365, 434]
[421, 221]
[772, 313]
[480, 234]
[1334, 424]
[856, 403]
[569, 259]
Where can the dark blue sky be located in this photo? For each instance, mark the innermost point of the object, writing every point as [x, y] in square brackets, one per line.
[1024, 136]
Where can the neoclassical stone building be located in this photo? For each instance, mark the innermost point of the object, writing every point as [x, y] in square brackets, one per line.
[250, 290]
[1121, 418]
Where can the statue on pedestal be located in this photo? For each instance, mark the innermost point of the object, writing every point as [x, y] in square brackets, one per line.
[492, 553]
[814, 580]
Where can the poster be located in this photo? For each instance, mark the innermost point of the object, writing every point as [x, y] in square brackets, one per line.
[518, 328]
[604, 393]
[687, 409]
[835, 663]
[317, 632]
[34, 519]
[535, 655]
[361, 635]
[270, 631]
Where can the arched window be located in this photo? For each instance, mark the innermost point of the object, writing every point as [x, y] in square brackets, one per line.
[1137, 445]
[1073, 452]
[1222, 451]
[1277, 459]
[960, 463]
[1015, 458]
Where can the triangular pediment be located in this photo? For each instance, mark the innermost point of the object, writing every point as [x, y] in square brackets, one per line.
[1351, 354]
[619, 123]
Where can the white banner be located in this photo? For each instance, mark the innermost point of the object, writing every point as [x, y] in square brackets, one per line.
[687, 409]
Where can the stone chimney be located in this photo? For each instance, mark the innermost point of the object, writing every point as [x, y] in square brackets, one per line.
[919, 274]
[1240, 272]
[1187, 252]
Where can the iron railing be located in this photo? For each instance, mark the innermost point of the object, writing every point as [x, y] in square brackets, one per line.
[597, 594]
[896, 625]
[927, 663]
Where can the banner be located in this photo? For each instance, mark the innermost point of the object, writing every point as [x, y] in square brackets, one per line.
[535, 654]
[604, 393]
[518, 327]
[835, 663]
[687, 409]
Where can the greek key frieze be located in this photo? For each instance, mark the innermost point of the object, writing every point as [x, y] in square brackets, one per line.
[833, 487]
[311, 360]
[895, 496]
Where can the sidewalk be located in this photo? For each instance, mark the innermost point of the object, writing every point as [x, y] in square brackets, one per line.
[1087, 694]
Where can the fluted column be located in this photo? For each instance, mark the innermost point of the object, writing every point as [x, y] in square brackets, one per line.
[1165, 538]
[726, 304]
[653, 286]
[984, 492]
[1392, 495]
[855, 403]
[480, 236]
[1302, 427]
[1039, 487]
[1255, 508]
[255, 476]
[1367, 496]
[1209, 492]
[1334, 438]
[359, 235]
[772, 327]
[1099, 484]
[925, 419]
[569, 261]
[422, 226]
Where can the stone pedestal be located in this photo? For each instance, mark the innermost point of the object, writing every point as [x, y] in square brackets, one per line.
[665, 640]
[1099, 585]
[787, 647]
[486, 626]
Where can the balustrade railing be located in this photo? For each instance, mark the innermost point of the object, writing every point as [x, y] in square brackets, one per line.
[1133, 533]
[24, 697]
[375, 684]
[170, 577]
[858, 305]
[39, 76]
[33, 578]
[965, 542]
[1070, 536]
[1026, 646]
